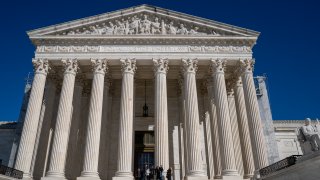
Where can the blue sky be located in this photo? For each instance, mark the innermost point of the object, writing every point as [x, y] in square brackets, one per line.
[287, 50]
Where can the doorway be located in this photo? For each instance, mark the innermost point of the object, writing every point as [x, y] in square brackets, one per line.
[143, 151]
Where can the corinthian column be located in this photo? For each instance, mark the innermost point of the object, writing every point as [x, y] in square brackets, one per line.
[225, 134]
[214, 132]
[234, 127]
[161, 114]
[254, 119]
[62, 129]
[91, 155]
[29, 132]
[244, 130]
[124, 169]
[192, 121]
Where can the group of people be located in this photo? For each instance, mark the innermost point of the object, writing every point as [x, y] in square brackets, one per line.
[153, 173]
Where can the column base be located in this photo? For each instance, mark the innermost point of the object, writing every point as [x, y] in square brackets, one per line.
[122, 178]
[232, 177]
[88, 178]
[53, 178]
[196, 178]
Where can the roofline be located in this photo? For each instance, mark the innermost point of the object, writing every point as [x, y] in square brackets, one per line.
[87, 20]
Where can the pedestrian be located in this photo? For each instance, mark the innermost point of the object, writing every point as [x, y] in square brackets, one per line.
[148, 173]
[169, 173]
[158, 175]
[161, 172]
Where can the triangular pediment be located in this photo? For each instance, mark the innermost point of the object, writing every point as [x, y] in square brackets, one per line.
[144, 21]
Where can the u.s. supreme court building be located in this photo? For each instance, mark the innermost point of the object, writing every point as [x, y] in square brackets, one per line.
[138, 87]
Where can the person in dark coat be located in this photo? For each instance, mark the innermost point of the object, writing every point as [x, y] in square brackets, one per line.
[161, 171]
[169, 174]
[158, 173]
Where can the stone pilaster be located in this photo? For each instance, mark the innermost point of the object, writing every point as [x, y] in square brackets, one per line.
[161, 114]
[192, 121]
[254, 119]
[214, 132]
[124, 168]
[91, 155]
[246, 148]
[29, 132]
[226, 142]
[234, 128]
[62, 128]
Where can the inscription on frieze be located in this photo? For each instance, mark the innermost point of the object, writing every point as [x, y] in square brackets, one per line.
[186, 49]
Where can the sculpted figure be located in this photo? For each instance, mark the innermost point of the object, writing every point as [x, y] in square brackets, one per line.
[109, 29]
[171, 28]
[145, 25]
[311, 134]
[85, 31]
[182, 30]
[93, 30]
[119, 28]
[155, 26]
[134, 25]
[194, 31]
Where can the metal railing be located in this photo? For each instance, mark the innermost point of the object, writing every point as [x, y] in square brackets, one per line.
[282, 164]
[7, 171]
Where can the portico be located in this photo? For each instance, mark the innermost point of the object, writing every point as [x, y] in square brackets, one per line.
[102, 70]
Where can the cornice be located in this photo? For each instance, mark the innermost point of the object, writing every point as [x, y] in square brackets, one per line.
[143, 40]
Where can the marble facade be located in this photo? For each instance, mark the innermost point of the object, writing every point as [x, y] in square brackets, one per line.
[93, 76]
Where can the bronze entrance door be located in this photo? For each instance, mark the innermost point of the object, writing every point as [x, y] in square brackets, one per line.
[143, 151]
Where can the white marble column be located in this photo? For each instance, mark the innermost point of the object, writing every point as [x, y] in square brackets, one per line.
[39, 152]
[234, 128]
[229, 170]
[161, 114]
[192, 121]
[91, 155]
[248, 164]
[71, 170]
[254, 119]
[214, 132]
[62, 128]
[124, 168]
[29, 132]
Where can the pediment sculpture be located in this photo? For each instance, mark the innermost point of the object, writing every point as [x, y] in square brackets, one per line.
[140, 25]
[309, 137]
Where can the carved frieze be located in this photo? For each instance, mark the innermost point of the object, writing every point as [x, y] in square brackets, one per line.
[126, 48]
[142, 24]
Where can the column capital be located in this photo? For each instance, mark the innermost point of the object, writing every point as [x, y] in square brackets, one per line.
[161, 65]
[189, 65]
[247, 65]
[99, 65]
[128, 65]
[40, 66]
[217, 66]
[70, 66]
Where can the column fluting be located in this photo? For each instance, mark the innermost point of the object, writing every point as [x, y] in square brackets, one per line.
[124, 168]
[91, 155]
[192, 120]
[225, 133]
[29, 132]
[161, 114]
[244, 132]
[254, 119]
[214, 132]
[62, 128]
[234, 128]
